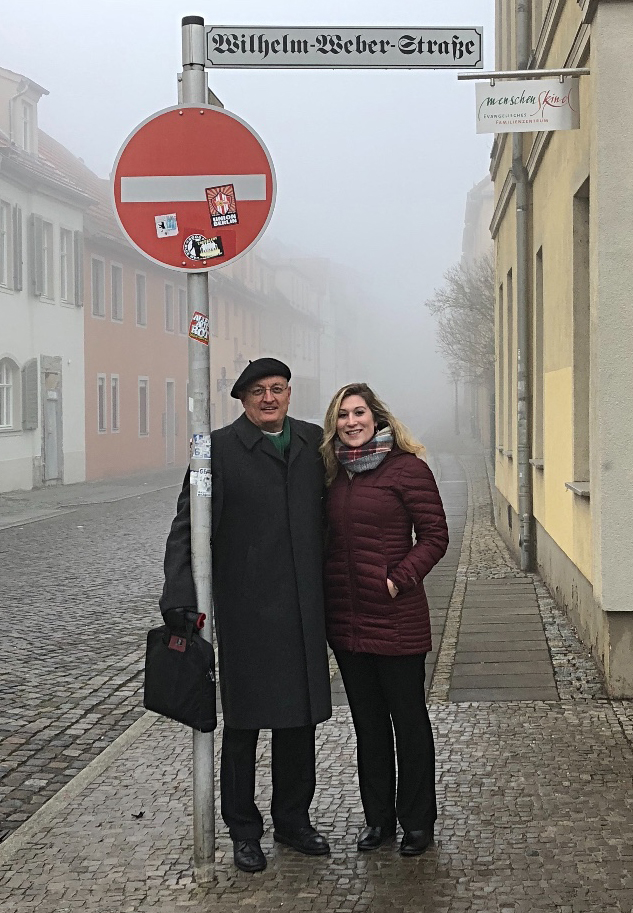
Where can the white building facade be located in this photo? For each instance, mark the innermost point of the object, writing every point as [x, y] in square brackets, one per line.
[42, 406]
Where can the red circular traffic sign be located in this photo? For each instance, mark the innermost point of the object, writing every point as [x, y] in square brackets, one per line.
[194, 187]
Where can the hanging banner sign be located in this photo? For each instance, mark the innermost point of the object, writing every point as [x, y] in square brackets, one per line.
[387, 48]
[527, 107]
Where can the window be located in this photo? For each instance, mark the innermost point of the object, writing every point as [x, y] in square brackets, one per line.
[27, 126]
[537, 387]
[581, 334]
[182, 311]
[101, 404]
[47, 260]
[215, 315]
[66, 266]
[5, 244]
[114, 402]
[6, 394]
[510, 362]
[141, 301]
[169, 308]
[98, 288]
[143, 406]
[501, 371]
[227, 320]
[116, 292]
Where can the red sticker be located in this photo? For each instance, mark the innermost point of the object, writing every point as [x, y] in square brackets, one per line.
[222, 205]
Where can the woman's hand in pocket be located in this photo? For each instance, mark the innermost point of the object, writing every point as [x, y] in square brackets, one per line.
[393, 589]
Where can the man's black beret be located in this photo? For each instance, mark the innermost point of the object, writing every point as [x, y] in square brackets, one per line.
[255, 370]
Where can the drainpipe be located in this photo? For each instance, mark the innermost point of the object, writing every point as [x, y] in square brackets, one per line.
[521, 192]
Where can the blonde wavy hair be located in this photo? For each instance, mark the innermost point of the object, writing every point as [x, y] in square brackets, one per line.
[382, 417]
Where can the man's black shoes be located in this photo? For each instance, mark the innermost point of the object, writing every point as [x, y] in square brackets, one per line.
[373, 837]
[415, 842]
[248, 856]
[306, 840]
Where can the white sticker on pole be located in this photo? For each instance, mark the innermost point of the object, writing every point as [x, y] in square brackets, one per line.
[201, 447]
[204, 483]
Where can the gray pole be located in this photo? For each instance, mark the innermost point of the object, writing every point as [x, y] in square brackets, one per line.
[523, 313]
[194, 89]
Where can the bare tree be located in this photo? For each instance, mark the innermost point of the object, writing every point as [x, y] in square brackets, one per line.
[465, 311]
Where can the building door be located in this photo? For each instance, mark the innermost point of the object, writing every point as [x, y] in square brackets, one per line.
[52, 436]
[170, 423]
[52, 426]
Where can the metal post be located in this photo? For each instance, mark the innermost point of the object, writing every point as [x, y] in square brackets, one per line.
[194, 89]
[523, 313]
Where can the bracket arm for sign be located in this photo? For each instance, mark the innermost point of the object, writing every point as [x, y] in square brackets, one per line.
[526, 74]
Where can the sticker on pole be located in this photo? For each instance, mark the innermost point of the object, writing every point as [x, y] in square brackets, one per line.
[203, 486]
[201, 447]
[199, 327]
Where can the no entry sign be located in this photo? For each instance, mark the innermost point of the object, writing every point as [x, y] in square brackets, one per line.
[194, 187]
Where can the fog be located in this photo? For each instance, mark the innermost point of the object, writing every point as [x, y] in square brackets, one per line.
[373, 167]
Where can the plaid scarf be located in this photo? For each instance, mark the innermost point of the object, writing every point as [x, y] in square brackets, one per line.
[367, 456]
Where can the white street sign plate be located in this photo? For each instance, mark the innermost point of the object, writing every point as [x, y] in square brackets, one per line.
[330, 48]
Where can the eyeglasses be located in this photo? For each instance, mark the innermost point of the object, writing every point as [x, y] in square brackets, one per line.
[275, 390]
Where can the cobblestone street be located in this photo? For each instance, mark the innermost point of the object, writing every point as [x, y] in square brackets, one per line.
[534, 762]
[79, 592]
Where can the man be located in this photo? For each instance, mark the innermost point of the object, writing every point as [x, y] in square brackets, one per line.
[267, 589]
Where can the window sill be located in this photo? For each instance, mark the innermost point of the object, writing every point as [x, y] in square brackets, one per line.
[582, 489]
[508, 454]
[538, 464]
[11, 430]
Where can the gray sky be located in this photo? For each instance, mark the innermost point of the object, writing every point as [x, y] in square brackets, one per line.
[373, 167]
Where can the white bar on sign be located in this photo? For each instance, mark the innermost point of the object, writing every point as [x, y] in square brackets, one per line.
[190, 188]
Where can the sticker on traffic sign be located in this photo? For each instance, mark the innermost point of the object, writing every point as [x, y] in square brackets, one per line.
[199, 327]
[167, 165]
[166, 226]
[222, 205]
[197, 247]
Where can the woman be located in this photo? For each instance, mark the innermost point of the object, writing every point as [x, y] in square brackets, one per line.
[377, 615]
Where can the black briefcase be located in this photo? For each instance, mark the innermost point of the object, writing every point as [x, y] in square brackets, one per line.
[180, 678]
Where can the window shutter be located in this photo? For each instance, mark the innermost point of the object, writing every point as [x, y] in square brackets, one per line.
[78, 245]
[30, 399]
[36, 254]
[18, 255]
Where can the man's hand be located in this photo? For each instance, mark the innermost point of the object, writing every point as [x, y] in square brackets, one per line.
[178, 619]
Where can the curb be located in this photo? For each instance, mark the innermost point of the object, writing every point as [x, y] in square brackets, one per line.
[71, 790]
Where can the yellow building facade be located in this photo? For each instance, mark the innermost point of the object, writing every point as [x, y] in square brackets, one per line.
[564, 416]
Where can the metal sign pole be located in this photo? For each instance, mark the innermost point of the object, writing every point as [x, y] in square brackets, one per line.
[194, 89]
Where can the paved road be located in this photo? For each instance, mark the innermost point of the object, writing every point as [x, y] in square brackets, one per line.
[78, 594]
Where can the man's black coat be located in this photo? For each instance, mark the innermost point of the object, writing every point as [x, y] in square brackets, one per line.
[267, 576]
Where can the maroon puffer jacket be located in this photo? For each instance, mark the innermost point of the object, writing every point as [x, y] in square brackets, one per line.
[370, 517]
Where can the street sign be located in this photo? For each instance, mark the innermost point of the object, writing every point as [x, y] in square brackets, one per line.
[331, 48]
[194, 187]
[528, 106]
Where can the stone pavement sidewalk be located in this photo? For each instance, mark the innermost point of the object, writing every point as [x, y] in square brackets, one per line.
[19, 507]
[535, 799]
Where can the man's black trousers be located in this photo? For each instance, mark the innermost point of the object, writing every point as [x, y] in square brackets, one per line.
[386, 694]
[293, 776]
